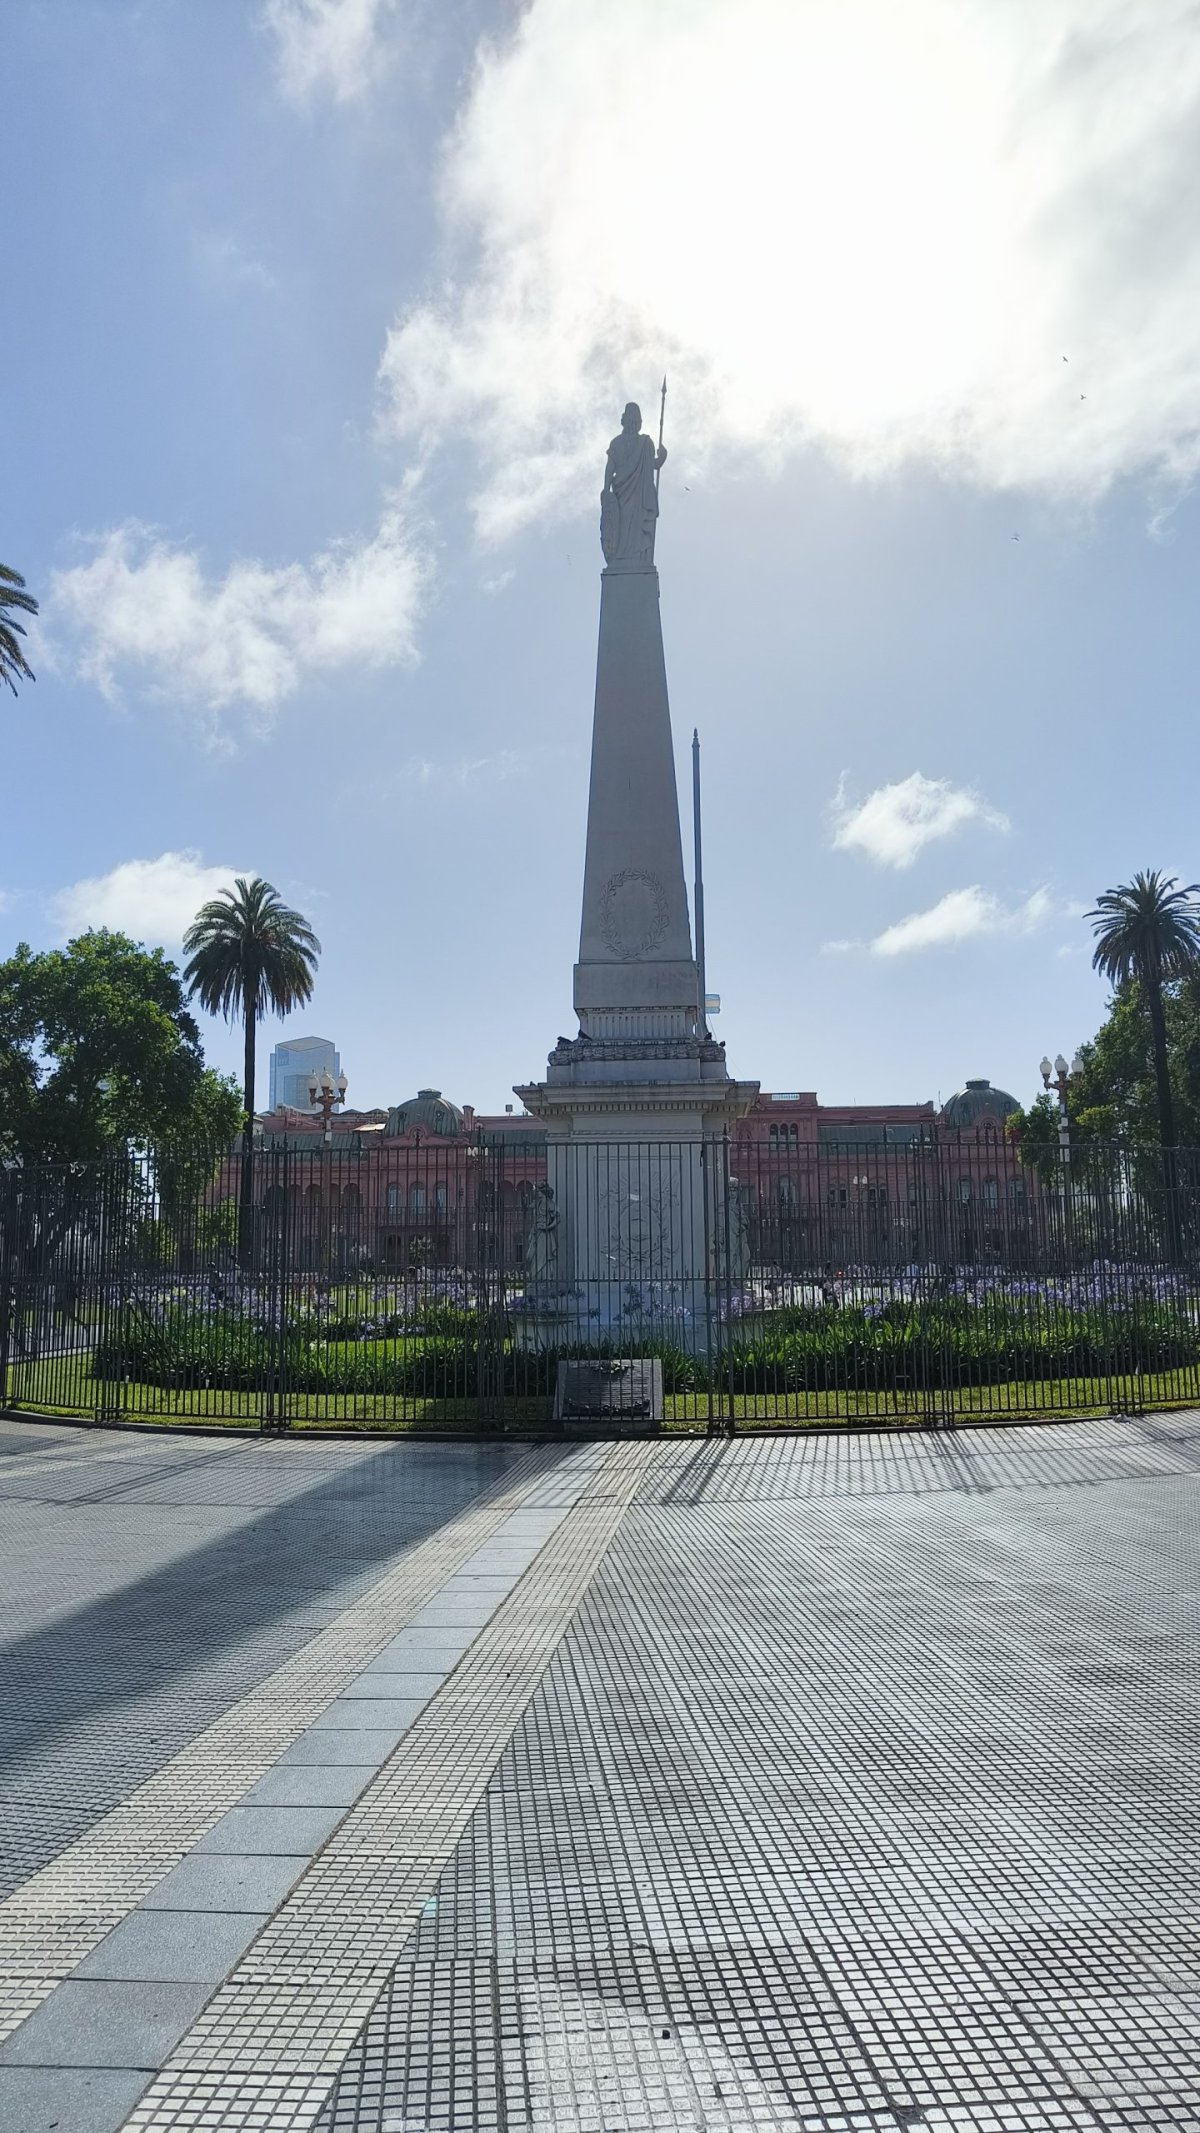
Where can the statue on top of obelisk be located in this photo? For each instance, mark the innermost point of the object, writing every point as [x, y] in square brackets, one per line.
[629, 498]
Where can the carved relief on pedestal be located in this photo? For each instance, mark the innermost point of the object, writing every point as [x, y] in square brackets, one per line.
[639, 1227]
[634, 913]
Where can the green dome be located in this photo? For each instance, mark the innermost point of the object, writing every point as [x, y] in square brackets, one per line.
[429, 1110]
[975, 1103]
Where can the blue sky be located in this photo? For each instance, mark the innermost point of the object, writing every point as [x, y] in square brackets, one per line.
[320, 314]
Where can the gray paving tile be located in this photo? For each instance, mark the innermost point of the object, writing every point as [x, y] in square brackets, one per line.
[858, 1795]
[311, 1785]
[341, 1747]
[393, 1683]
[478, 1585]
[66, 2100]
[455, 1612]
[106, 2022]
[794, 1832]
[429, 1650]
[275, 2034]
[182, 1947]
[124, 1636]
[499, 1560]
[265, 1831]
[369, 1714]
[216, 1882]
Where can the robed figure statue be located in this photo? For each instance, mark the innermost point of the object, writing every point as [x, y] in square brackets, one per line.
[540, 1249]
[629, 498]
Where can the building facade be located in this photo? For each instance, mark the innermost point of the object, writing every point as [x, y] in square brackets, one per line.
[819, 1188]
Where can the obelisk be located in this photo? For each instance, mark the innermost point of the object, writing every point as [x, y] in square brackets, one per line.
[642, 1086]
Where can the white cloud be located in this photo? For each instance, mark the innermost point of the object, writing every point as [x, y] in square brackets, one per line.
[250, 638]
[872, 228]
[331, 45]
[465, 770]
[153, 899]
[895, 822]
[962, 915]
[226, 267]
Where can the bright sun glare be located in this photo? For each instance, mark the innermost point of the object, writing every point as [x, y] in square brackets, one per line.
[869, 224]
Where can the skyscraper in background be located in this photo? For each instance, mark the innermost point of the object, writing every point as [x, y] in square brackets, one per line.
[293, 1063]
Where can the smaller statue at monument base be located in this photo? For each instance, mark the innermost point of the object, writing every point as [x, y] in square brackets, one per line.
[540, 1254]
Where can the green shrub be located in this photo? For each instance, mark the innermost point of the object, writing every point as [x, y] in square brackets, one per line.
[900, 1347]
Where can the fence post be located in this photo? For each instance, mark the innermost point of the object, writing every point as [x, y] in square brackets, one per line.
[489, 1288]
[710, 1275]
[730, 1424]
[273, 1418]
[7, 1237]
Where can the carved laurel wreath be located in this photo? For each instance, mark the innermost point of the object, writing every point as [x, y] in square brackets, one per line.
[616, 938]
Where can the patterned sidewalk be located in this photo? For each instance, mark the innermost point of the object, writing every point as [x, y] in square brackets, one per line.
[794, 1783]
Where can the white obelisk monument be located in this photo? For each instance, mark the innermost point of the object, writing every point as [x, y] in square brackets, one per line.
[629, 1223]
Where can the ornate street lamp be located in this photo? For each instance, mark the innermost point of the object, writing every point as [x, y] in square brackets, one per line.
[1059, 1078]
[325, 1094]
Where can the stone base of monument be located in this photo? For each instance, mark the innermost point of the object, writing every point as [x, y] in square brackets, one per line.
[622, 1397]
[621, 1317]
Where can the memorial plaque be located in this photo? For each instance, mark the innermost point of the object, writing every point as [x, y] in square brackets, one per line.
[623, 1398]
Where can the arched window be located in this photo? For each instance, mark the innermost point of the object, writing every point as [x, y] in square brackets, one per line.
[416, 1199]
[991, 1192]
[964, 1192]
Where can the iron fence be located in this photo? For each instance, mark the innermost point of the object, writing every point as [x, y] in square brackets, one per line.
[907, 1275]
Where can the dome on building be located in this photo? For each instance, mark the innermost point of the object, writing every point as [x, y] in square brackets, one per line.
[977, 1103]
[429, 1110]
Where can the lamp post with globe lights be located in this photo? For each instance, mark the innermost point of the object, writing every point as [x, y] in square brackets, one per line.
[325, 1095]
[1059, 1078]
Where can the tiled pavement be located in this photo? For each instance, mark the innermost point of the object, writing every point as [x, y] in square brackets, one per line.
[799, 1783]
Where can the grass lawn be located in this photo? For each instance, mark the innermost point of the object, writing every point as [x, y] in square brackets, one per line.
[48, 1388]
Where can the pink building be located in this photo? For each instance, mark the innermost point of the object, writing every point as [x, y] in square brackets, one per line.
[431, 1183]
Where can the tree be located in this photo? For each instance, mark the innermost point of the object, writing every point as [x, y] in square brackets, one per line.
[185, 1161]
[1149, 930]
[13, 597]
[98, 1052]
[99, 1058]
[247, 952]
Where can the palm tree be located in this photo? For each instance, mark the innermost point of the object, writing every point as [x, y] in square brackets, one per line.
[1149, 929]
[247, 952]
[13, 664]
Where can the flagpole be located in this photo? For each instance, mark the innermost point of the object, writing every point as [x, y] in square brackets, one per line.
[701, 980]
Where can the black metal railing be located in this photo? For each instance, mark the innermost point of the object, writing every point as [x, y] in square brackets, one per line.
[444, 1282]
